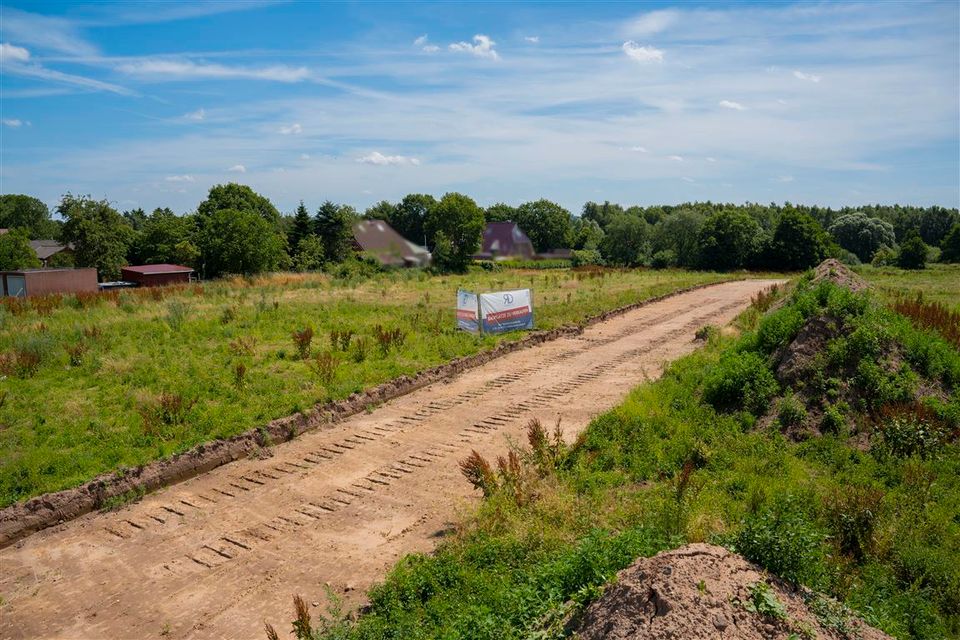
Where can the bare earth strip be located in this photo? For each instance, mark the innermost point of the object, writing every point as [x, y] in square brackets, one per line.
[215, 556]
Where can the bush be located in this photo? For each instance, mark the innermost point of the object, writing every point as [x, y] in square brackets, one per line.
[783, 541]
[586, 257]
[663, 259]
[779, 329]
[791, 411]
[740, 380]
[851, 514]
[913, 253]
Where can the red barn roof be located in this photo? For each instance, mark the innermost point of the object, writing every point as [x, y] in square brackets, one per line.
[150, 269]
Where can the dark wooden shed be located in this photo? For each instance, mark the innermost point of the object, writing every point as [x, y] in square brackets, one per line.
[156, 275]
[37, 282]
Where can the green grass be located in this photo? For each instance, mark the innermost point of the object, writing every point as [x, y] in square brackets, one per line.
[873, 526]
[69, 421]
[937, 283]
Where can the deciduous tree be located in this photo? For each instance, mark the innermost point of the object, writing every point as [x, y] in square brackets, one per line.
[100, 236]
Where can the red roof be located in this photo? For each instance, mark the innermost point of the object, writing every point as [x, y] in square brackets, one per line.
[148, 269]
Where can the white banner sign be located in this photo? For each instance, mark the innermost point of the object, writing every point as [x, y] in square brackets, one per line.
[506, 311]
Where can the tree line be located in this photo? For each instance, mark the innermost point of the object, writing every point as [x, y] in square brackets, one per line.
[238, 231]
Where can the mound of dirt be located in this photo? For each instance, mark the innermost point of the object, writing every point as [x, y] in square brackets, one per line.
[704, 591]
[838, 273]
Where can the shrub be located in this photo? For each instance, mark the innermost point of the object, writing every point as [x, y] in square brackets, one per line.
[783, 541]
[388, 338]
[910, 430]
[663, 259]
[740, 380]
[765, 299]
[301, 341]
[851, 514]
[586, 257]
[913, 253]
[791, 411]
[778, 329]
[324, 365]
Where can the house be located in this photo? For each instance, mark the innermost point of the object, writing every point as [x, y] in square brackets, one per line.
[37, 282]
[156, 275]
[47, 249]
[378, 239]
[505, 240]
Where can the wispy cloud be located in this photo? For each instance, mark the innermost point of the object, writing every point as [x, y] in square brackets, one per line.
[730, 104]
[675, 158]
[652, 23]
[12, 53]
[639, 149]
[642, 53]
[178, 69]
[809, 77]
[237, 168]
[183, 178]
[482, 47]
[16, 61]
[195, 116]
[378, 158]
[292, 129]
[47, 33]
[532, 39]
[304, 156]
[12, 122]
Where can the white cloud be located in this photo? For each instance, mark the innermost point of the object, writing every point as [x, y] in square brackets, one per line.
[13, 53]
[687, 179]
[419, 42]
[12, 122]
[642, 54]
[639, 149]
[809, 77]
[653, 22]
[294, 128]
[424, 45]
[304, 156]
[675, 158]
[710, 159]
[482, 47]
[730, 104]
[784, 178]
[237, 168]
[532, 39]
[20, 67]
[378, 158]
[188, 70]
[47, 33]
[431, 48]
[196, 116]
[183, 178]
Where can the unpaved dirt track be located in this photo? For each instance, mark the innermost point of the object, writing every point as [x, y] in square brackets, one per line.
[217, 555]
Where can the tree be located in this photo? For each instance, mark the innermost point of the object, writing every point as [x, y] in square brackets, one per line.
[587, 235]
[16, 252]
[935, 224]
[950, 247]
[238, 197]
[100, 236]
[679, 233]
[241, 242]
[913, 252]
[861, 234]
[334, 226]
[25, 212]
[383, 210]
[302, 226]
[501, 212]
[798, 242]
[308, 255]
[546, 223]
[728, 239]
[600, 213]
[461, 222]
[166, 237]
[409, 215]
[136, 218]
[625, 240]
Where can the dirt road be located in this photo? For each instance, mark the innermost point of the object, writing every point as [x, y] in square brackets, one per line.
[217, 555]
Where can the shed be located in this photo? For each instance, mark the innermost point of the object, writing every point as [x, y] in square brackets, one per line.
[37, 282]
[46, 249]
[156, 275]
[505, 240]
[380, 240]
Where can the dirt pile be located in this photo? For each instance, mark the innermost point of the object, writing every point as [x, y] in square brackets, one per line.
[704, 591]
[838, 273]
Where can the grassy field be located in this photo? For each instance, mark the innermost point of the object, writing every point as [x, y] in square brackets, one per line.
[865, 511]
[91, 384]
[938, 282]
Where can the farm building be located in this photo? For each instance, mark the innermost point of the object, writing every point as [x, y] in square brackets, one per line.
[381, 241]
[156, 275]
[37, 282]
[504, 240]
[47, 249]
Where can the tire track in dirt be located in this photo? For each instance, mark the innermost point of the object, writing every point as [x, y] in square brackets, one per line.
[216, 555]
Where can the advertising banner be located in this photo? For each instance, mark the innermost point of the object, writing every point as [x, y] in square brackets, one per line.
[506, 311]
[467, 308]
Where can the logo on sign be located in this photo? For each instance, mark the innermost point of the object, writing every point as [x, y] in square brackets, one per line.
[508, 298]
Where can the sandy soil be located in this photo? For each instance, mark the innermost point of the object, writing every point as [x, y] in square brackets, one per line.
[216, 556]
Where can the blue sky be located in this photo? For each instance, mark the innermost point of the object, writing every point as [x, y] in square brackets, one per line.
[150, 104]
